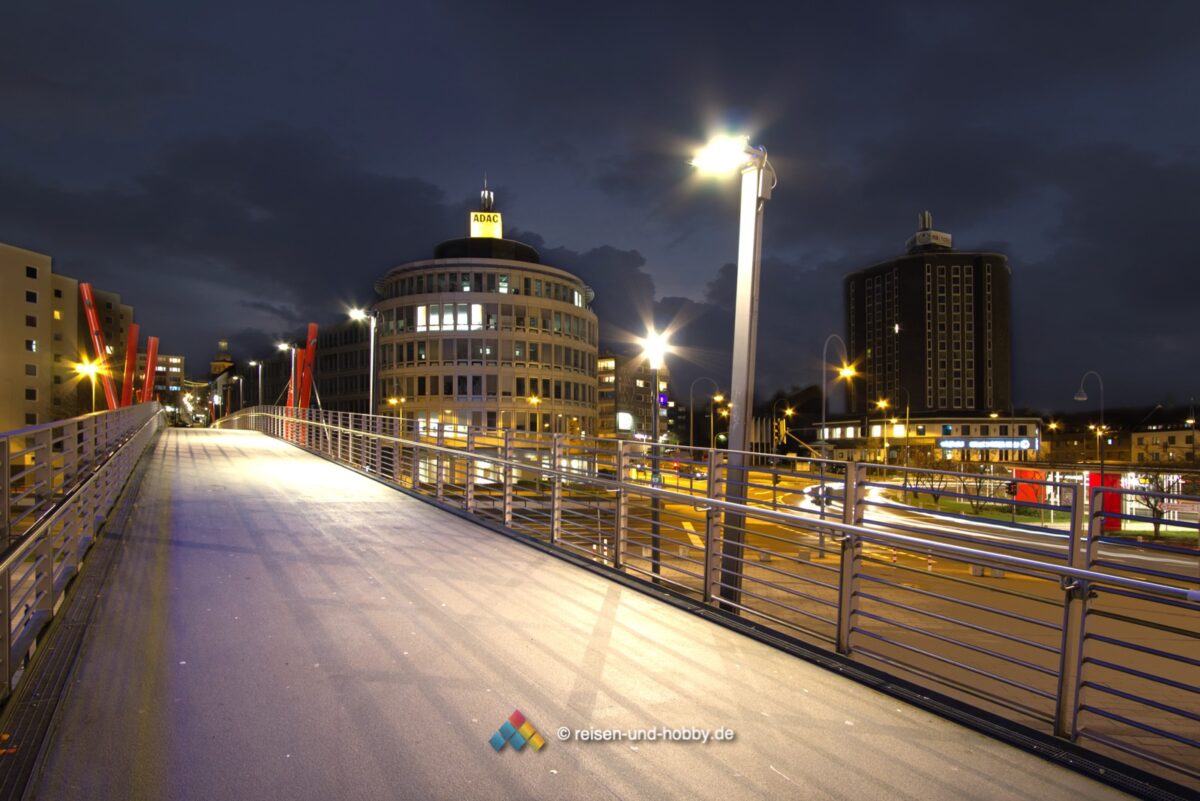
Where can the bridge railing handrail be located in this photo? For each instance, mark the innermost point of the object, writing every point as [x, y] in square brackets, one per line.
[835, 527]
[1057, 648]
[70, 474]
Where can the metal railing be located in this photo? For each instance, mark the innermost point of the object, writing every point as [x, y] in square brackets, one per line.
[1065, 628]
[59, 482]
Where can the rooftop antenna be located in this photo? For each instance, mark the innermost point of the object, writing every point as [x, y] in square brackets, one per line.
[486, 199]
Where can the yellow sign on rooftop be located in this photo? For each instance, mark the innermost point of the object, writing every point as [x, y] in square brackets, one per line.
[487, 225]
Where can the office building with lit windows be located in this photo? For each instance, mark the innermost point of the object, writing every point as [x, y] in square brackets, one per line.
[628, 399]
[43, 336]
[484, 334]
[931, 331]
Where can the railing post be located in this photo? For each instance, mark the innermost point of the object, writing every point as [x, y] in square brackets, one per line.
[6, 488]
[621, 512]
[712, 518]
[377, 442]
[509, 475]
[469, 481]
[555, 489]
[846, 575]
[6, 636]
[852, 501]
[440, 471]
[1075, 610]
[852, 514]
[43, 598]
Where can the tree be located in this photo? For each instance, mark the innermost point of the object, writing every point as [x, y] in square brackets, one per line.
[1163, 485]
[933, 483]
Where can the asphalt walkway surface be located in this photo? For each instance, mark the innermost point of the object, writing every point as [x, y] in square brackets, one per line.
[278, 627]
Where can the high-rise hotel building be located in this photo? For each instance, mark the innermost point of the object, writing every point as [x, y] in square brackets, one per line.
[484, 334]
[931, 331]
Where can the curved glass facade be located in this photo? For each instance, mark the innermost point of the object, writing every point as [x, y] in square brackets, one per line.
[487, 342]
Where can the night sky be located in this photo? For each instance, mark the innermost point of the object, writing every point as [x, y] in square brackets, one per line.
[235, 169]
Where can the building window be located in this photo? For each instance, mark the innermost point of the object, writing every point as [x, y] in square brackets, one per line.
[31, 272]
[31, 320]
[31, 369]
[30, 296]
[31, 418]
[31, 345]
[58, 293]
[30, 394]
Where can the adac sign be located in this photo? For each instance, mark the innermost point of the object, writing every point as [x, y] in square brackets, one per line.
[487, 224]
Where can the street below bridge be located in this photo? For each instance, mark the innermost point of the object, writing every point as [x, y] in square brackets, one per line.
[278, 627]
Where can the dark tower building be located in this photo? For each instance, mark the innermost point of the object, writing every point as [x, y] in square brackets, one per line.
[932, 329]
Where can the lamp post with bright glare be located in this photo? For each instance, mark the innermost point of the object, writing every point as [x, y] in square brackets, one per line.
[259, 366]
[655, 348]
[712, 414]
[882, 405]
[359, 315]
[846, 371]
[726, 154]
[691, 411]
[89, 369]
[293, 395]
[241, 394]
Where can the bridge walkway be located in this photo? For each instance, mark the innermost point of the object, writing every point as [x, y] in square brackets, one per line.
[278, 627]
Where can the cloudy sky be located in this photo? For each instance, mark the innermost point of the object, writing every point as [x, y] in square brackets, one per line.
[238, 168]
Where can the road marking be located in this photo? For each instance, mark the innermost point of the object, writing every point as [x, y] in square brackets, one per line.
[691, 532]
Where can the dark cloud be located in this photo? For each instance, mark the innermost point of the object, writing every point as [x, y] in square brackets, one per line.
[251, 165]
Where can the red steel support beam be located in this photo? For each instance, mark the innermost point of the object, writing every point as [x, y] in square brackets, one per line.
[310, 362]
[93, 320]
[130, 365]
[151, 369]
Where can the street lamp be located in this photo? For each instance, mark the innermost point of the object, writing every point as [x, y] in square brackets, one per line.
[846, 371]
[691, 412]
[358, 315]
[882, 405]
[259, 366]
[293, 395]
[726, 154]
[712, 415]
[1081, 396]
[89, 369]
[655, 348]
[241, 394]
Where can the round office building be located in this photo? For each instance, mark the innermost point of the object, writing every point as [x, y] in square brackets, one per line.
[485, 335]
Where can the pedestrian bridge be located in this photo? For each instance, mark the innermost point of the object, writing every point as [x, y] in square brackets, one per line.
[265, 623]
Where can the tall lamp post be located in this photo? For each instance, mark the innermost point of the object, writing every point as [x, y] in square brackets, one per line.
[241, 395]
[725, 155]
[655, 348]
[846, 371]
[1081, 396]
[882, 405]
[691, 411]
[359, 315]
[293, 394]
[712, 418]
[259, 366]
[89, 369]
